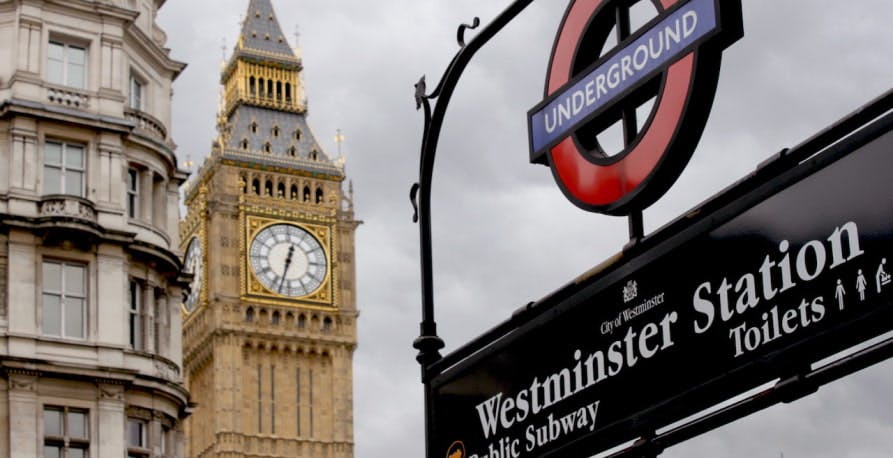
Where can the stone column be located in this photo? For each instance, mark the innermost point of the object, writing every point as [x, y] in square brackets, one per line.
[24, 415]
[159, 203]
[227, 384]
[109, 181]
[29, 44]
[147, 317]
[146, 194]
[163, 319]
[22, 166]
[175, 327]
[4, 274]
[110, 433]
[342, 375]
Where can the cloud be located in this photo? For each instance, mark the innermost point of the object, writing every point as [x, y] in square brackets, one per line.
[504, 234]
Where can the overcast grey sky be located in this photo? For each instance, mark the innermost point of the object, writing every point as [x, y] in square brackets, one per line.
[504, 234]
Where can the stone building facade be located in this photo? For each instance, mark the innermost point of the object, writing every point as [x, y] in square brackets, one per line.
[90, 285]
[271, 318]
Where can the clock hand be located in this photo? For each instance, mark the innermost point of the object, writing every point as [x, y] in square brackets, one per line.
[291, 250]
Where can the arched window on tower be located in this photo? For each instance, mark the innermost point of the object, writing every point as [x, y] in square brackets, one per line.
[270, 88]
[276, 131]
[268, 188]
[244, 144]
[297, 134]
[255, 186]
[260, 84]
[327, 325]
[268, 147]
[280, 191]
[292, 151]
[288, 93]
[252, 86]
[302, 321]
[314, 155]
[278, 91]
[318, 195]
[249, 314]
[253, 127]
[294, 192]
[306, 193]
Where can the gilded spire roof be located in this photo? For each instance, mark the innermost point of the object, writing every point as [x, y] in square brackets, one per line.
[261, 33]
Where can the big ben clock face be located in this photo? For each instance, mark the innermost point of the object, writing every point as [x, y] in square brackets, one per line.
[192, 264]
[288, 260]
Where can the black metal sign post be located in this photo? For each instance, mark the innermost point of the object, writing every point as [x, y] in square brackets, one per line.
[428, 343]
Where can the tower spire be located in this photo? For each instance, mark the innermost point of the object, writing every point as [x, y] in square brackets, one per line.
[261, 31]
[262, 115]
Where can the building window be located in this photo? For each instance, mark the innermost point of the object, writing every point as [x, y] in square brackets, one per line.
[135, 314]
[66, 432]
[164, 432]
[137, 442]
[276, 131]
[137, 93]
[67, 64]
[64, 299]
[63, 169]
[133, 192]
[253, 126]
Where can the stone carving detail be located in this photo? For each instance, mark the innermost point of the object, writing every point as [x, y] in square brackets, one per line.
[68, 98]
[111, 392]
[22, 382]
[165, 371]
[69, 206]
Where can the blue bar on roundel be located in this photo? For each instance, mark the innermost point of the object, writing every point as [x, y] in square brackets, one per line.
[666, 41]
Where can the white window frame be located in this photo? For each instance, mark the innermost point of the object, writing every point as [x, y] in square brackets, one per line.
[140, 450]
[68, 67]
[133, 192]
[137, 98]
[64, 169]
[135, 324]
[65, 293]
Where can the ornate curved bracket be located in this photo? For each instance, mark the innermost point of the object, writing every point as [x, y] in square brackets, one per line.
[460, 34]
[428, 343]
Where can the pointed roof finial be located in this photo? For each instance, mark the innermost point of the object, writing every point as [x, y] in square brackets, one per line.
[261, 31]
[339, 139]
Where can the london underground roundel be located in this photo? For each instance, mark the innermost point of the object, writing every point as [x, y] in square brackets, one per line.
[670, 65]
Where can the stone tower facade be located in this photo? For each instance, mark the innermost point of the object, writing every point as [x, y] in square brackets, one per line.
[90, 286]
[270, 323]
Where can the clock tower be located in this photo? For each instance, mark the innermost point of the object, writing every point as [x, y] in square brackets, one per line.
[270, 322]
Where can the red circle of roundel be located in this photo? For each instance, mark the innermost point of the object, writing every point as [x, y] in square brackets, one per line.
[651, 163]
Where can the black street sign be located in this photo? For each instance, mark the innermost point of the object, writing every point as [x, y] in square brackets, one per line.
[739, 293]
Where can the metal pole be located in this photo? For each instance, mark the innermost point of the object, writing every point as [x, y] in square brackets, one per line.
[428, 343]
